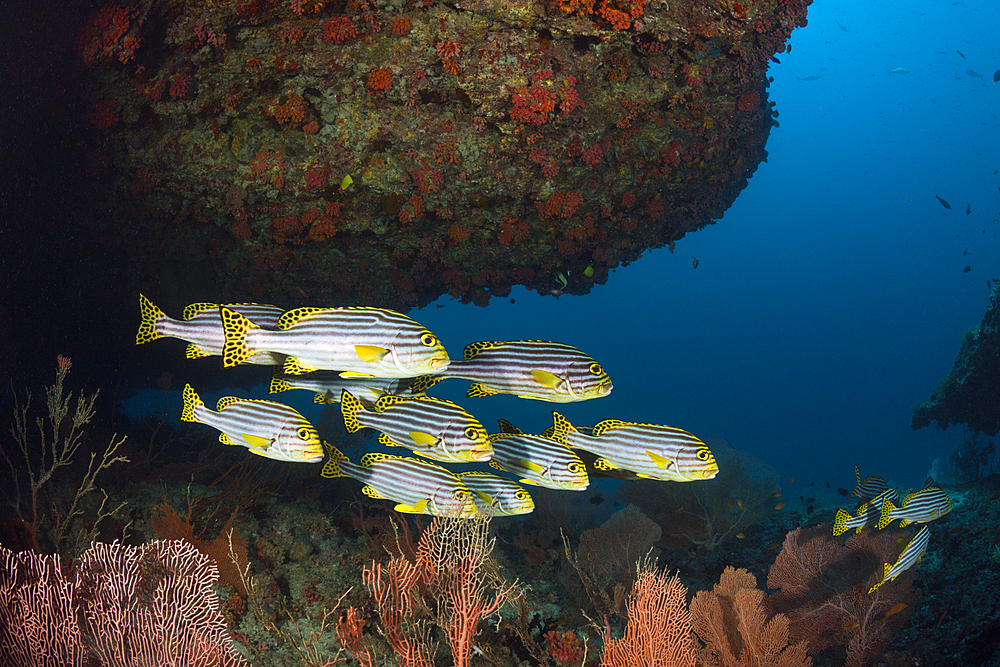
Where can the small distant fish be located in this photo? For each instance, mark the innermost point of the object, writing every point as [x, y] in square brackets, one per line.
[809, 510]
[959, 53]
[896, 608]
[266, 428]
[943, 202]
[694, 262]
[968, 208]
[779, 506]
[596, 499]
[911, 554]
[967, 269]
[996, 76]
[495, 495]
[899, 70]
[774, 59]
[418, 487]
[965, 252]
[773, 545]
[918, 507]
[776, 494]
[811, 77]
[842, 491]
[841, 27]
[973, 73]
[791, 480]
[740, 536]
[809, 500]
[850, 626]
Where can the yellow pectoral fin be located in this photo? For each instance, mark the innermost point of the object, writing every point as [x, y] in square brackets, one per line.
[532, 466]
[256, 441]
[485, 497]
[545, 378]
[415, 508]
[424, 439]
[661, 462]
[370, 354]
[355, 374]
[530, 398]
[528, 481]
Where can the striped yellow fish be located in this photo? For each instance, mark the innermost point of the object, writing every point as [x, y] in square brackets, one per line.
[871, 487]
[539, 461]
[534, 369]
[268, 429]
[358, 342]
[328, 386]
[418, 487]
[868, 514]
[648, 450]
[920, 506]
[913, 552]
[495, 495]
[202, 328]
[430, 427]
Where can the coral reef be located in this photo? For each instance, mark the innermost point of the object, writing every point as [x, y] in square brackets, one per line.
[968, 394]
[387, 153]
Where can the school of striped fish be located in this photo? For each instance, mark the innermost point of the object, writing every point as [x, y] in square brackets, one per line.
[378, 364]
[879, 506]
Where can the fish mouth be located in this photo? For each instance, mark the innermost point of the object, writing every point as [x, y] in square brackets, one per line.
[481, 454]
[440, 363]
[605, 388]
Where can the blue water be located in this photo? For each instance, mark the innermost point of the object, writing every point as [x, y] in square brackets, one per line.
[831, 297]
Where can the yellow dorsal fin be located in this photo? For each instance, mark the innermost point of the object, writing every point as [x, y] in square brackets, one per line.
[472, 349]
[226, 401]
[196, 309]
[290, 318]
[606, 425]
[195, 352]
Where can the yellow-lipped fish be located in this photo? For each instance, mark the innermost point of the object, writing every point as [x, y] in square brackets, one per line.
[534, 369]
[268, 429]
[430, 427]
[868, 513]
[328, 386]
[920, 506]
[648, 450]
[417, 486]
[495, 495]
[358, 342]
[202, 328]
[538, 460]
[913, 552]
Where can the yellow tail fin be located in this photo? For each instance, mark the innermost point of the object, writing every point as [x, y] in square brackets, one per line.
[332, 467]
[191, 401]
[350, 407]
[151, 315]
[235, 350]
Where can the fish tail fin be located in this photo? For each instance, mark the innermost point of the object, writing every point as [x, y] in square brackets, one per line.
[151, 318]
[561, 429]
[191, 401]
[278, 385]
[236, 327]
[332, 467]
[350, 407]
[885, 518]
[885, 575]
[840, 522]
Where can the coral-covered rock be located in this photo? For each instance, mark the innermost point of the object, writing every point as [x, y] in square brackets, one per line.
[488, 143]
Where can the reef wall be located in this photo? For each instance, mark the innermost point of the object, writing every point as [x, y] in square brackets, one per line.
[386, 152]
[970, 393]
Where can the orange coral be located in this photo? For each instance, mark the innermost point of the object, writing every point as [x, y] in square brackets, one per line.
[292, 110]
[338, 29]
[401, 25]
[620, 13]
[379, 81]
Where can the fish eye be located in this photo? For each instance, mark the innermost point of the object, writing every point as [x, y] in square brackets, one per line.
[575, 468]
[521, 495]
[704, 454]
[428, 339]
[460, 495]
[595, 369]
[303, 433]
[472, 433]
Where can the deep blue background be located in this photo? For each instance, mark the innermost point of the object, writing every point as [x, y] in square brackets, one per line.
[831, 297]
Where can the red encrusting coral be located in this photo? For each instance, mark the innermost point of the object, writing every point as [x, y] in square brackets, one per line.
[338, 29]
